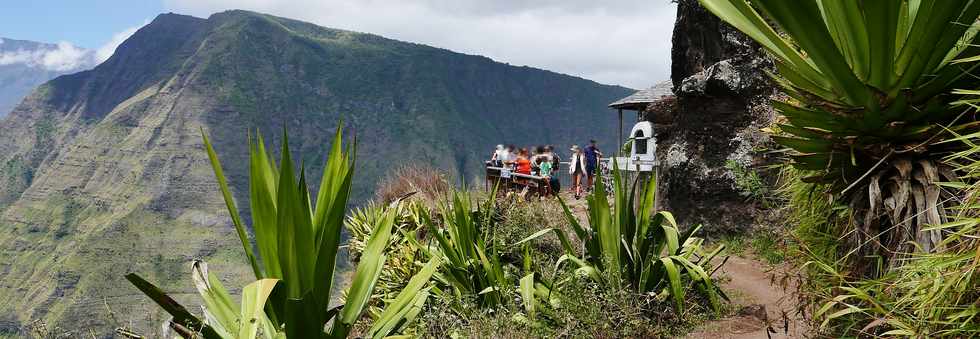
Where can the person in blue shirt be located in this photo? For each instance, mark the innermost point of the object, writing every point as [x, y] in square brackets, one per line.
[592, 158]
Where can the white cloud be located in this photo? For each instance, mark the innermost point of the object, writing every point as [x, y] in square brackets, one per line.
[106, 50]
[66, 57]
[61, 57]
[624, 42]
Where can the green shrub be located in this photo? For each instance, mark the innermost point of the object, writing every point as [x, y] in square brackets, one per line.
[587, 311]
[496, 281]
[747, 181]
[930, 295]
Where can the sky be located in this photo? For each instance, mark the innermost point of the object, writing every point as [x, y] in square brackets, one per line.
[620, 42]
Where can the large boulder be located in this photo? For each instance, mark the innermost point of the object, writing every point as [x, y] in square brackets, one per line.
[709, 140]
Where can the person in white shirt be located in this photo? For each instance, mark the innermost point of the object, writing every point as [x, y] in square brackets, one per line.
[500, 155]
[577, 170]
[496, 158]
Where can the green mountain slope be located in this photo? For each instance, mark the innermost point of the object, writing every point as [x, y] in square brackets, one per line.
[103, 172]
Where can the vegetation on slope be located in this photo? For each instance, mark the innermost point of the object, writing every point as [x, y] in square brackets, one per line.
[515, 272]
[473, 274]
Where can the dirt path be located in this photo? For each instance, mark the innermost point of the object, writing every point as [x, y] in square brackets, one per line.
[748, 283]
[763, 305]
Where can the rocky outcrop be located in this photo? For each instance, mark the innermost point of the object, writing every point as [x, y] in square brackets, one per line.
[709, 134]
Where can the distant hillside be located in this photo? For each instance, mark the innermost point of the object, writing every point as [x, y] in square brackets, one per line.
[26, 64]
[102, 172]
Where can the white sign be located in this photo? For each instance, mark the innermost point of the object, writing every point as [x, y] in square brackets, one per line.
[505, 173]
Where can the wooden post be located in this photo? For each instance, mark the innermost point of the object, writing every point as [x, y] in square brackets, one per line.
[656, 197]
[619, 147]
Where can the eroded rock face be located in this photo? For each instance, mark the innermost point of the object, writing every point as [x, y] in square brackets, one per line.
[720, 106]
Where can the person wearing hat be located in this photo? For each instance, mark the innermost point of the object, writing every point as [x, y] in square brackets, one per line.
[577, 169]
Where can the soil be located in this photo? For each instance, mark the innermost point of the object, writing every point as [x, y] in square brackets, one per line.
[763, 306]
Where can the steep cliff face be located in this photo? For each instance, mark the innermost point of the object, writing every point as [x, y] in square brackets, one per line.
[103, 172]
[713, 129]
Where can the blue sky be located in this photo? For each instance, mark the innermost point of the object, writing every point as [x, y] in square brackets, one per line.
[621, 42]
[85, 23]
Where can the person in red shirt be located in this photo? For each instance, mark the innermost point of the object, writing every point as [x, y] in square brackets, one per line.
[523, 162]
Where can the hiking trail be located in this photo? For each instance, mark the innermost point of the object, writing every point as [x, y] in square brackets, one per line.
[761, 304]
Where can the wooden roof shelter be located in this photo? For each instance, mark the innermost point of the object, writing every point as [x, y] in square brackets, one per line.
[640, 100]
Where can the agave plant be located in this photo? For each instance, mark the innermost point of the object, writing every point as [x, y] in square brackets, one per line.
[630, 242]
[473, 265]
[221, 319]
[459, 232]
[869, 86]
[933, 295]
[298, 245]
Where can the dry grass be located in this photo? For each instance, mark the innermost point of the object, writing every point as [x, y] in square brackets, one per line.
[429, 183]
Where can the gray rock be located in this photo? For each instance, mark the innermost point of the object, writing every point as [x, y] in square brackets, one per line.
[719, 108]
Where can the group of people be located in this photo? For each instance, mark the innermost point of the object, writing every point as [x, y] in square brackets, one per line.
[543, 161]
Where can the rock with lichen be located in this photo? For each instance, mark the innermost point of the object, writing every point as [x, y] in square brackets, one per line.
[710, 133]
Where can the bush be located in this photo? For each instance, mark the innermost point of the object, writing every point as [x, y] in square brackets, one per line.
[497, 282]
[520, 219]
[629, 243]
[588, 311]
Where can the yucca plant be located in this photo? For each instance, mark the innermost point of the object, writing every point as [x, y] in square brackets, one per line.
[931, 295]
[221, 319]
[460, 231]
[298, 245]
[869, 86]
[472, 261]
[631, 242]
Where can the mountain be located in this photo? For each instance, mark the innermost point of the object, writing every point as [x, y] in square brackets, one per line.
[26, 64]
[103, 172]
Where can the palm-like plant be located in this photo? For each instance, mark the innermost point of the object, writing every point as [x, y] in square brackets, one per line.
[298, 245]
[631, 242]
[869, 86]
[221, 319]
[473, 265]
[459, 232]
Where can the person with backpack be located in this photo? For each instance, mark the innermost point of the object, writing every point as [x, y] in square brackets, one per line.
[592, 158]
